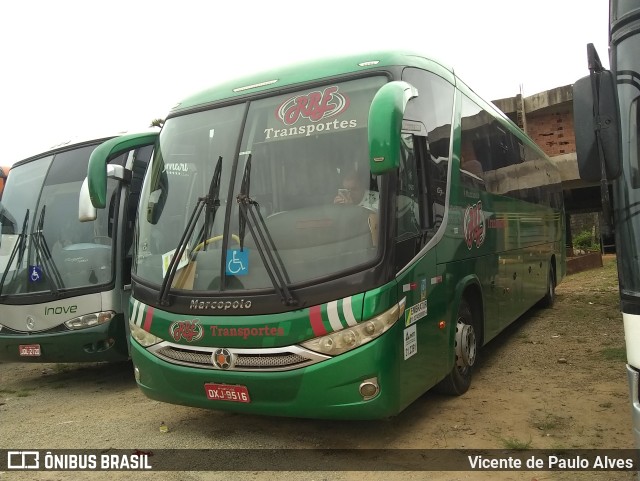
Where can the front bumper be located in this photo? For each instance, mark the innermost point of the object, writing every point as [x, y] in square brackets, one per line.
[634, 386]
[328, 389]
[106, 342]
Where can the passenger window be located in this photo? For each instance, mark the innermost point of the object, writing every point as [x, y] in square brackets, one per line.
[475, 154]
[490, 154]
[408, 197]
[430, 115]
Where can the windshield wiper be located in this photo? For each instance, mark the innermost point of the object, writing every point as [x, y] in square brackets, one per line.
[271, 259]
[18, 248]
[43, 251]
[212, 202]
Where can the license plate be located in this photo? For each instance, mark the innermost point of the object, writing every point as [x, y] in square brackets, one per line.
[30, 350]
[227, 392]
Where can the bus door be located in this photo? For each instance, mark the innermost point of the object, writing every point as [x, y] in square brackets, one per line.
[137, 162]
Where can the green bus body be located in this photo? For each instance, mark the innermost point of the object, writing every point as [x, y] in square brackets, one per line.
[364, 322]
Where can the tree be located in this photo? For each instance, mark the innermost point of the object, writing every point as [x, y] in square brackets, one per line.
[157, 123]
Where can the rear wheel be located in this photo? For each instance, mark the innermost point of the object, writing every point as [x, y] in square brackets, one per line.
[466, 346]
[550, 296]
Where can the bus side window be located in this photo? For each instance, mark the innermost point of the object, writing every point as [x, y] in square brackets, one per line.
[433, 109]
[475, 151]
[141, 158]
[407, 192]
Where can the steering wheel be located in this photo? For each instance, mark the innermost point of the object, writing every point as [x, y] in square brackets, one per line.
[217, 238]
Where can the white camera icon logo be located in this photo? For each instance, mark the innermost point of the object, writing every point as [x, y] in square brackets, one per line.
[23, 460]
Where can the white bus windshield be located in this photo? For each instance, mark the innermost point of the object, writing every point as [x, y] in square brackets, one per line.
[56, 252]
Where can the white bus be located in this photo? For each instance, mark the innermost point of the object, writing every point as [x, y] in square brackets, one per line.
[65, 284]
[607, 120]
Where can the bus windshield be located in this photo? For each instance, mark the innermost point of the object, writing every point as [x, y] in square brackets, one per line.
[44, 248]
[303, 167]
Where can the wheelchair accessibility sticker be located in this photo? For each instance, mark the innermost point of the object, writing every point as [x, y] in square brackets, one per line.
[237, 262]
[35, 273]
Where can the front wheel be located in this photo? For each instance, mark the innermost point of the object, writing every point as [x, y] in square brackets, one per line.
[466, 346]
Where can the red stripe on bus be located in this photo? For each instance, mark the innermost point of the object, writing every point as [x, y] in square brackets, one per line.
[148, 319]
[315, 316]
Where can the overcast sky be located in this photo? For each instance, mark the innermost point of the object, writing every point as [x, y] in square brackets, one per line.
[84, 68]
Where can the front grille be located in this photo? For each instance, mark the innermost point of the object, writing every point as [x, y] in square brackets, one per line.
[184, 356]
[5, 331]
[267, 359]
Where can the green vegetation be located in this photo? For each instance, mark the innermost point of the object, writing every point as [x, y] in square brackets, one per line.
[615, 354]
[586, 241]
[550, 422]
[516, 444]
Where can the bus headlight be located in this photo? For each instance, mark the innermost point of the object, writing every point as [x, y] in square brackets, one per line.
[347, 339]
[144, 338]
[89, 320]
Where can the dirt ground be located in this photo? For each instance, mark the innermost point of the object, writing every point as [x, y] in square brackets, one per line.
[555, 380]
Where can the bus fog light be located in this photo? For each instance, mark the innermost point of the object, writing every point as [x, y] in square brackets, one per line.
[369, 388]
[90, 320]
[136, 373]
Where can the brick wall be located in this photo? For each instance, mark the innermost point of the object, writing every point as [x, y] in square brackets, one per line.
[553, 132]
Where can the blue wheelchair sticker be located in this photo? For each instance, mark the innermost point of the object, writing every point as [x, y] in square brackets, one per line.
[35, 273]
[237, 262]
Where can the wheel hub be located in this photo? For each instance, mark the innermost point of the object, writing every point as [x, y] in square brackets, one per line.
[465, 344]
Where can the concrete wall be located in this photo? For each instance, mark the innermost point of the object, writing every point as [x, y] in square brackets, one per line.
[553, 132]
[547, 117]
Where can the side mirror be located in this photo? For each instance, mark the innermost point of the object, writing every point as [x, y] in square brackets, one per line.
[385, 125]
[97, 170]
[593, 118]
[86, 211]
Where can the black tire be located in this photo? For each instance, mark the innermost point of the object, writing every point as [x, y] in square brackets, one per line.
[466, 348]
[550, 296]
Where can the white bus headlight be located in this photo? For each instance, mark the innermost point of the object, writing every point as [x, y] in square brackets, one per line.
[144, 338]
[344, 340]
[89, 320]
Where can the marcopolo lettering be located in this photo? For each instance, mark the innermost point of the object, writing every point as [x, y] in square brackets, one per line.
[48, 311]
[219, 305]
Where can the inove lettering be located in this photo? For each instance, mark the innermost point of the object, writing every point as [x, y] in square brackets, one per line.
[49, 311]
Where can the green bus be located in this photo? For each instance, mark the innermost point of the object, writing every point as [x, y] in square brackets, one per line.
[333, 239]
[64, 288]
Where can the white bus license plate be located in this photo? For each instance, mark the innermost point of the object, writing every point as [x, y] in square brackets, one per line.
[29, 350]
[226, 392]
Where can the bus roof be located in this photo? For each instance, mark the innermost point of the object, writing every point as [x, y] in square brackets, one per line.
[74, 142]
[314, 70]
[308, 72]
